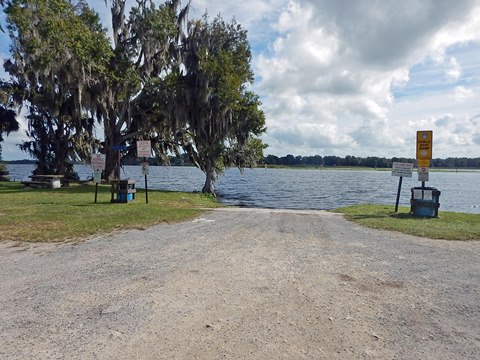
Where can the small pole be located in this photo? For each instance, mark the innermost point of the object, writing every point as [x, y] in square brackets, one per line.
[119, 156]
[146, 186]
[96, 192]
[398, 193]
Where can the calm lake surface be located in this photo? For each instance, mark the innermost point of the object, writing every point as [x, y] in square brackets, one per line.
[300, 189]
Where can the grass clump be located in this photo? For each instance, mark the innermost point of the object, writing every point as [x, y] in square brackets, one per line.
[448, 225]
[52, 215]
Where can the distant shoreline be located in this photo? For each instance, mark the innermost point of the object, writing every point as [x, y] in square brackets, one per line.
[292, 167]
[361, 168]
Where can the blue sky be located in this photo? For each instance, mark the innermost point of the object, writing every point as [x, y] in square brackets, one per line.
[339, 77]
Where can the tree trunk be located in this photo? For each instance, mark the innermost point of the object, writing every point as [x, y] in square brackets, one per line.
[111, 159]
[209, 187]
[111, 156]
[60, 155]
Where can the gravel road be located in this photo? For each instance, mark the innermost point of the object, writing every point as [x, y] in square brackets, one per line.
[242, 284]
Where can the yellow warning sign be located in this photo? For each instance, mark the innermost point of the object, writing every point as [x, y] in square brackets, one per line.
[424, 145]
[423, 163]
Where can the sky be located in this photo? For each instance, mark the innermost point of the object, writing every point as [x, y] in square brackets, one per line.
[347, 77]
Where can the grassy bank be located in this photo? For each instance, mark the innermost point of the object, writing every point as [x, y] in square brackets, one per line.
[70, 213]
[449, 225]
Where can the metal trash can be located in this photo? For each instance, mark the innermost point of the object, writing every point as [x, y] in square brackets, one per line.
[425, 201]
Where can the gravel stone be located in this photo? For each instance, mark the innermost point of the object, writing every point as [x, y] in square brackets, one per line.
[242, 284]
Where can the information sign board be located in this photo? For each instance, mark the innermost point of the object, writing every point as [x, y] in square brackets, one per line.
[145, 168]
[98, 161]
[424, 144]
[402, 169]
[144, 148]
[97, 176]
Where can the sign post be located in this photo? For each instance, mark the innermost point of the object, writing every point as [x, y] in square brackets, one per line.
[401, 170]
[144, 149]
[98, 165]
[424, 154]
[145, 172]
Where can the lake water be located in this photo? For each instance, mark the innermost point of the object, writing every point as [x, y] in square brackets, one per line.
[300, 189]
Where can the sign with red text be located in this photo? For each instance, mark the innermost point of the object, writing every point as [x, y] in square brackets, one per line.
[144, 148]
[98, 161]
[423, 173]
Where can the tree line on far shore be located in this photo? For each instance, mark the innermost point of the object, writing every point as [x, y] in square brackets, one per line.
[331, 160]
[314, 161]
[370, 161]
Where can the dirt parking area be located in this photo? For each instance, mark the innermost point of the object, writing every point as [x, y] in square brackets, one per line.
[242, 284]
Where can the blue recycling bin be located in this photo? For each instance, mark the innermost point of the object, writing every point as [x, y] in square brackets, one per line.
[425, 201]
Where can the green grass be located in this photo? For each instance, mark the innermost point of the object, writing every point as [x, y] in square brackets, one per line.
[52, 215]
[448, 225]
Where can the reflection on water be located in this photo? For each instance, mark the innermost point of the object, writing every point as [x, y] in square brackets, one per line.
[301, 189]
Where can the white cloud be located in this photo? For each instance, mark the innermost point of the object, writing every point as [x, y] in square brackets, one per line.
[454, 70]
[334, 65]
[361, 77]
[460, 94]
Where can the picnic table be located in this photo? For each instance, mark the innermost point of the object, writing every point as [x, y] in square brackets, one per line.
[44, 181]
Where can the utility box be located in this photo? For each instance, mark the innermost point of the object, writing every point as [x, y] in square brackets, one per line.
[123, 191]
[425, 201]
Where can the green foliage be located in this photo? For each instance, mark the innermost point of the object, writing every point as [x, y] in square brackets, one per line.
[58, 51]
[370, 161]
[182, 91]
[129, 100]
[221, 116]
[54, 34]
[449, 225]
[8, 117]
[8, 124]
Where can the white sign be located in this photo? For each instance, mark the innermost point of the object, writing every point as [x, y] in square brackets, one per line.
[97, 176]
[144, 148]
[422, 194]
[427, 195]
[423, 174]
[144, 168]
[98, 161]
[418, 194]
[402, 169]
